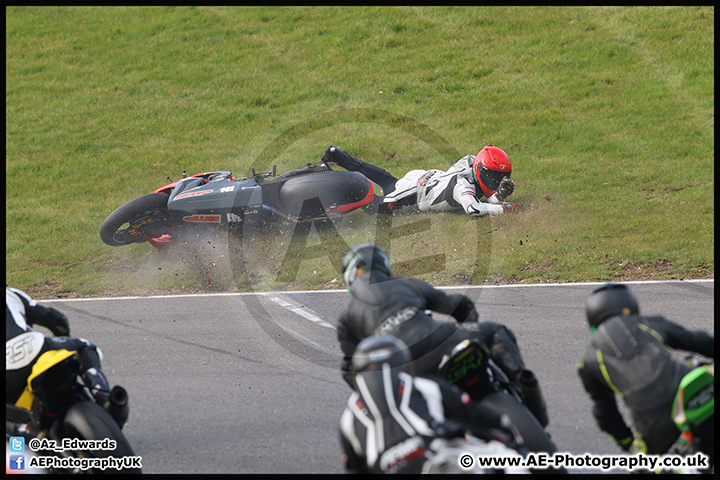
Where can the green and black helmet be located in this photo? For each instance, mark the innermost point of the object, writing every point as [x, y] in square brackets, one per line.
[363, 258]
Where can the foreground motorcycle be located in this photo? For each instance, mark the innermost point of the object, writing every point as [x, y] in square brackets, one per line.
[694, 412]
[218, 201]
[469, 367]
[58, 417]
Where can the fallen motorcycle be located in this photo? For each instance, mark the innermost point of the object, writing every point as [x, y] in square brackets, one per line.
[62, 425]
[469, 367]
[217, 201]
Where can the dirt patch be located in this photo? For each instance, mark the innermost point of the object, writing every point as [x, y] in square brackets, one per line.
[634, 271]
[658, 270]
[462, 279]
[542, 266]
[48, 289]
[542, 271]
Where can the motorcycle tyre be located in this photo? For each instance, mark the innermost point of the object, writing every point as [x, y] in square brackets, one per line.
[89, 421]
[131, 211]
[534, 435]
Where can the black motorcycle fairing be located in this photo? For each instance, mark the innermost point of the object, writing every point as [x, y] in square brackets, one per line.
[331, 191]
[468, 367]
[298, 172]
[218, 202]
[334, 191]
[271, 186]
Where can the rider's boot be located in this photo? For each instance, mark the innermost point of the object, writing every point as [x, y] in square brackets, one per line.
[341, 157]
[378, 175]
[532, 396]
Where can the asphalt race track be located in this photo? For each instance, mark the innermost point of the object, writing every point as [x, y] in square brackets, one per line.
[250, 383]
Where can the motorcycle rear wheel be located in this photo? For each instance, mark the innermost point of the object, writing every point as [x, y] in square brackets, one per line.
[89, 421]
[534, 435]
[145, 216]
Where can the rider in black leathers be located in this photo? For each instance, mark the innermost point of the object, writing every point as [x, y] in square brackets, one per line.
[628, 355]
[395, 422]
[23, 347]
[383, 304]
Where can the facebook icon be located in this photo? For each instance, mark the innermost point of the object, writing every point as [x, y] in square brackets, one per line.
[17, 462]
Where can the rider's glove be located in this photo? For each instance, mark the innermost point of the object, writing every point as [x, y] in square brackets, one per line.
[472, 317]
[464, 312]
[61, 326]
[52, 319]
[517, 207]
[505, 189]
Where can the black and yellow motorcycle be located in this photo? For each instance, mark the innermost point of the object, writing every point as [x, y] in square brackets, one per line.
[62, 427]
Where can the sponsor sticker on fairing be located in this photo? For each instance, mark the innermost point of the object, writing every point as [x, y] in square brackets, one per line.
[202, 218]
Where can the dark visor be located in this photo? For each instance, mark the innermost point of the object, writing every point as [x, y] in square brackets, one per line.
[491, 178]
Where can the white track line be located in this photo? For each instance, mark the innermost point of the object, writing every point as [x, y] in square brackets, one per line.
[296, 307]
[344, 291]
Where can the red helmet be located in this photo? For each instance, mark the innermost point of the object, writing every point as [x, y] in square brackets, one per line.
[490, 166]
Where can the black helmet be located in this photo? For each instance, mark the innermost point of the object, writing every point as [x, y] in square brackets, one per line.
[609, 300]
[366, 257]
[377, 350]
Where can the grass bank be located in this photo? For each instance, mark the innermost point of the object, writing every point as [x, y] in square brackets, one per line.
[607, 114]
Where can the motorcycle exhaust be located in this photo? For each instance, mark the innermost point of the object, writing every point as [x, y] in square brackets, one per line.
[118, 405]
[532, 396]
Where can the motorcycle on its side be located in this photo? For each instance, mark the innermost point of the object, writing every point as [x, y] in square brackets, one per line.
[61, 423]
[468, 366]
[217, 201]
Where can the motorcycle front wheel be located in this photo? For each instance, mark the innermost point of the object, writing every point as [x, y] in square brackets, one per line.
[145, 216]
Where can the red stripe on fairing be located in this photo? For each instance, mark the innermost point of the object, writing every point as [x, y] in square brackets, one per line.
[192, 194]
[351, 206]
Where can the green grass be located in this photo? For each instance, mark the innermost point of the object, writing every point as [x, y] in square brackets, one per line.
[607, 114]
